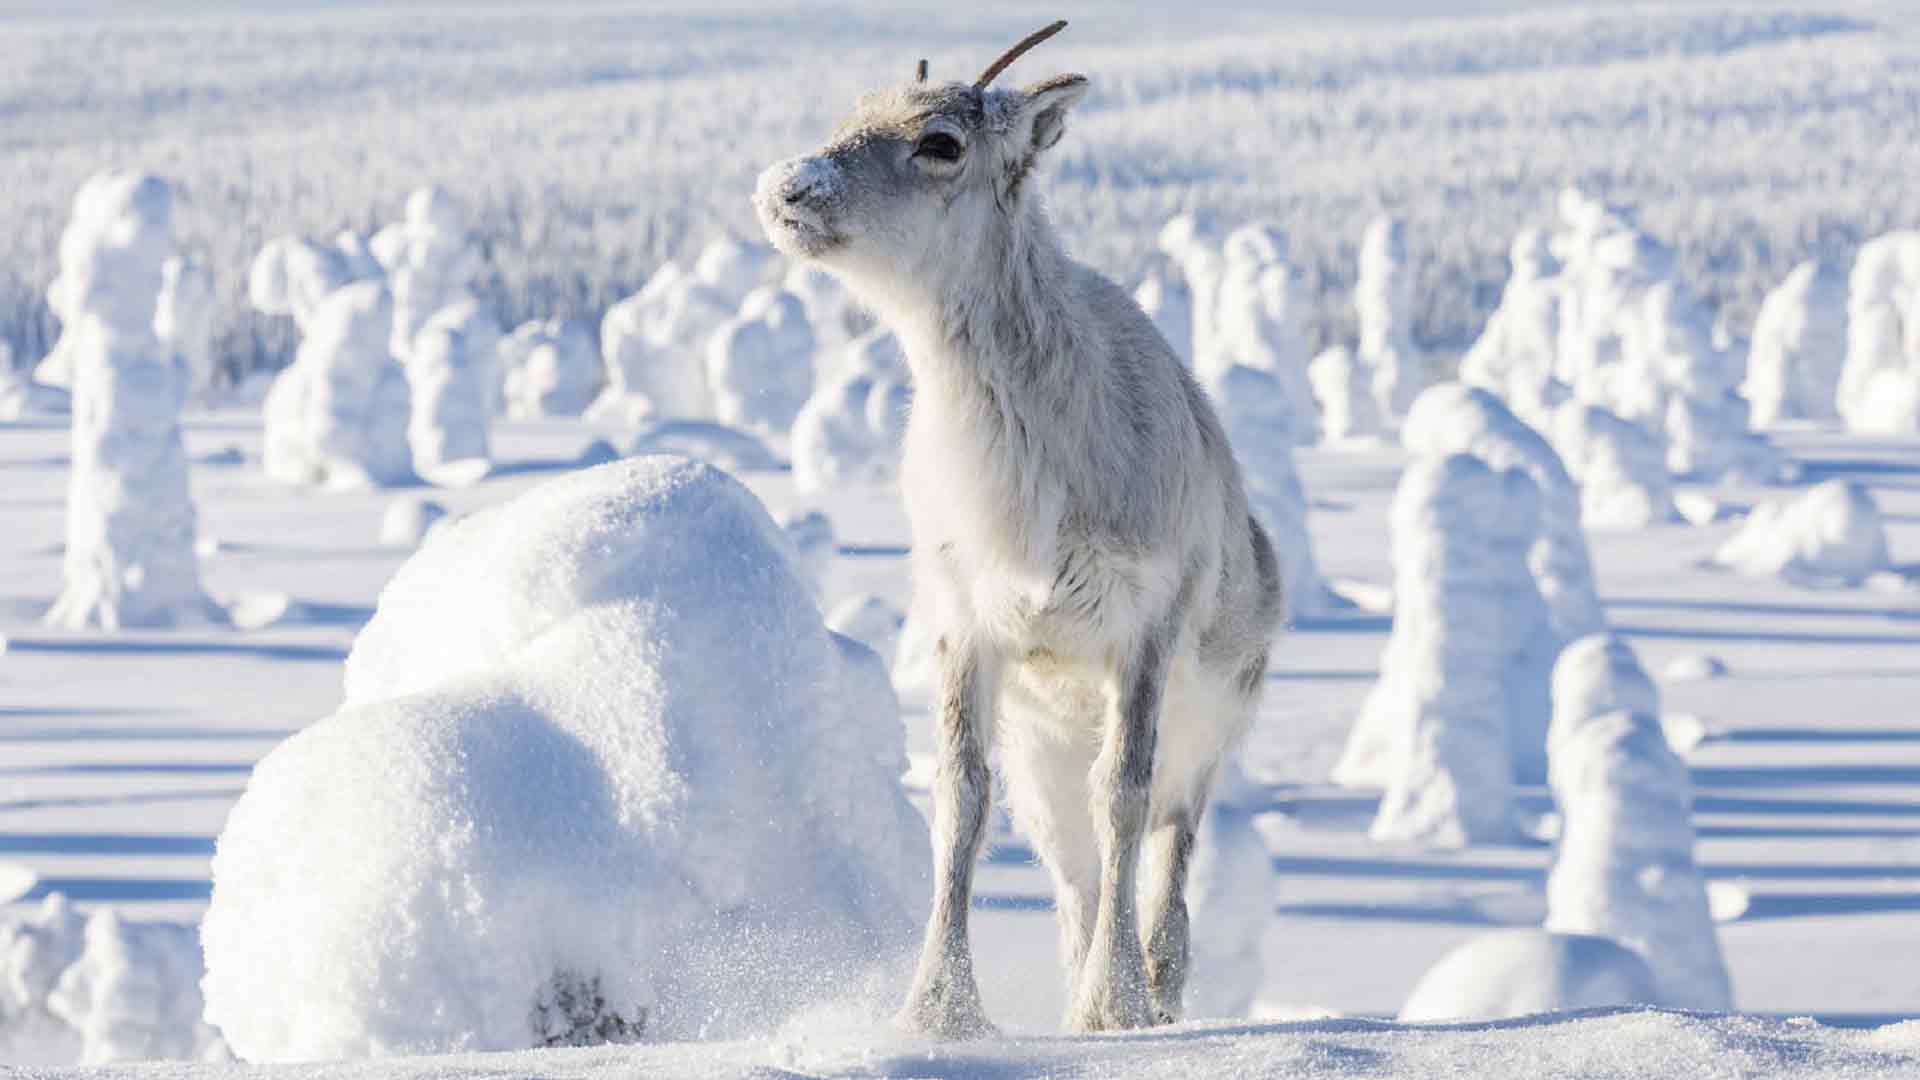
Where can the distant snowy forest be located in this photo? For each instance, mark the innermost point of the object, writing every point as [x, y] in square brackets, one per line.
[594, 145]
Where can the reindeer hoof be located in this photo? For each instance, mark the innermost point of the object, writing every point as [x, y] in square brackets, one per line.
[945, 1007]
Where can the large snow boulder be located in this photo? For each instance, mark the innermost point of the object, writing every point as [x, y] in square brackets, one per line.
[1528, 972]
[1624, 868]
[1832, 532]
[601, 773]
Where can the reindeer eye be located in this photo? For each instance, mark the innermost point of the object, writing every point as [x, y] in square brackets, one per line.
[938, 146]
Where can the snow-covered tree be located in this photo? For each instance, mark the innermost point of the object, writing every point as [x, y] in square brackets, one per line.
[1343, 388]
[130, 518]
[1624, 867]
[1383, 300]
[338, 415]
[552, 368]
[1434, 729]
[652, 343]
[760, 363]
[1799, 347]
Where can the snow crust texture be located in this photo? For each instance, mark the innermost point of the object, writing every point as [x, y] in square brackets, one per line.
[1526, 972]
[601, 773]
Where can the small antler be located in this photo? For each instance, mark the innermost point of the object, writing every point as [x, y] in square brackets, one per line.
[921, 73]
[1007, 58]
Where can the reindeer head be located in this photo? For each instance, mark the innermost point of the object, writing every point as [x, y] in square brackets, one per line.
[918, 173]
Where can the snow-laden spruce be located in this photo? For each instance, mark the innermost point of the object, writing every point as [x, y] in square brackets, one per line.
[850, 429]
[291, 275]
[760, 363]
[1799, 347]
[1165, 298]
[831, 313]
[87, 989]
[1383, 302]
[183, 321]
[1434, 729]
[1343, 388]
[338, 414]
[1516, 355]
[1622, 470]
[1253, 323]
[601, 773]
[454, 385]
[1635, 340]
[1454, 418]
[552, 368]
[1528, 972]
[1832, 532]
[131, 522]
[1231, 893]
[732, 267]
[1259, 416]
[1195, 242]
[1624, 865]
[652, 345]
[1879, 387]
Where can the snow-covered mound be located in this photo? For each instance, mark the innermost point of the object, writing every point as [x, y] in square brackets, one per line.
[1383, 300]
[1879, 387]
[849, 431]
[1433, 729]
[338, 414]
[552, 368]
[130, 517]
[1525, 972]
[1799, 346]
[1622, 470]
[1831, 532]
[1454, 418]
[90, 989]
[652, 345]
[760, 363]
[1624, 868]
[601, 773]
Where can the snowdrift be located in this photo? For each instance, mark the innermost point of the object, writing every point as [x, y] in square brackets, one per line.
[601, 773]
[1647, 1045]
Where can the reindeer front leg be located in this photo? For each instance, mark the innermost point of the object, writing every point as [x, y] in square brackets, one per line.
[945, 999]
[1112, 990]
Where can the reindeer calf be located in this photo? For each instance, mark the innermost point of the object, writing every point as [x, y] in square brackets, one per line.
[1103, 600]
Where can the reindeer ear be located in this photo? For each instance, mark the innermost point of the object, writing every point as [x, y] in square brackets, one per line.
[1043, 110]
